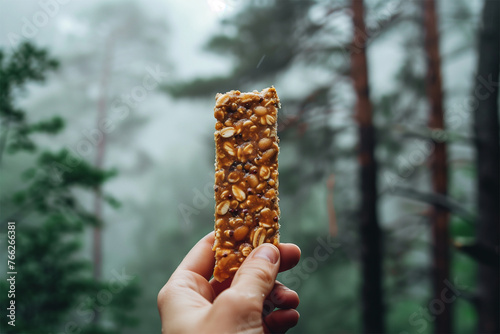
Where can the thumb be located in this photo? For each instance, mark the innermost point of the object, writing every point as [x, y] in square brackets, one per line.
[257, 274]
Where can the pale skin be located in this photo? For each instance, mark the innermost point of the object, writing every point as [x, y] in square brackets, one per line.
[192, 303]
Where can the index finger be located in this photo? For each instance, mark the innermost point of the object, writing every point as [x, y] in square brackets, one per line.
[200, 258]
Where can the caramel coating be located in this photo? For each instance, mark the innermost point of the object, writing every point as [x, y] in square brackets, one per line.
[246, 176]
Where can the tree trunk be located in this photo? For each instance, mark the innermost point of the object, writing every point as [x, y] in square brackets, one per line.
[99, 161]
[371, 253]
[4, 137]
[486, 133]
[439, 174]
[101, 147]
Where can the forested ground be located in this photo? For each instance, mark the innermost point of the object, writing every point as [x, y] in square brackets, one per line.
[388, 162]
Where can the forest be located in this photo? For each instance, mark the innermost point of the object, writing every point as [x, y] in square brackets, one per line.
[389, 163]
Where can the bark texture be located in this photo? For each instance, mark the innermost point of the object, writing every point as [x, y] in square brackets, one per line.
[371, 252]
[439, 216]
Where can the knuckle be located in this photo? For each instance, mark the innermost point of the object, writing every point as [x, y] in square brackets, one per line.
[230, 298]
[162, 296]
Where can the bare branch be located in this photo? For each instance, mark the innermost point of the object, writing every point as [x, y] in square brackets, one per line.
[438, 200]
[480, 252]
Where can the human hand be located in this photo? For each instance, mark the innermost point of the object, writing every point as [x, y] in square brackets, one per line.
[190, 303]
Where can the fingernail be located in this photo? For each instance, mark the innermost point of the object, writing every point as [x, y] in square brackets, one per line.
[267, 252]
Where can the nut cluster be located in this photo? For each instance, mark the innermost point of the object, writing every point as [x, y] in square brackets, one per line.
[246, 177]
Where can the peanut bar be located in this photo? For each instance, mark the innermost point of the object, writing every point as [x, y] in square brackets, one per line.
[246, 176]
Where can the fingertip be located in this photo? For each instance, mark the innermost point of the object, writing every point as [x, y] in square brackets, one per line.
[209, 237]
[290, 244]
[281, 320]
[290, 248]
[294, 316]
[200, 259]
[290, 255]
[284, 298]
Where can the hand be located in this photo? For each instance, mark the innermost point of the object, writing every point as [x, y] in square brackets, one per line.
[190, 303]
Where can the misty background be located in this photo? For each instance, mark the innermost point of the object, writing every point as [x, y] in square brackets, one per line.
[152, 69]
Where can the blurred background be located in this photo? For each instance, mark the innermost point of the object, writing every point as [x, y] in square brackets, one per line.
[389, 177]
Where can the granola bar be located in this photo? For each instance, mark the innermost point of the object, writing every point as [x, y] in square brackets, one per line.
[246, 176]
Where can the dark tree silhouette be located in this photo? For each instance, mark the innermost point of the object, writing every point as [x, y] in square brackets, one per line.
[486, 133]
[373, 308]
[439, 215]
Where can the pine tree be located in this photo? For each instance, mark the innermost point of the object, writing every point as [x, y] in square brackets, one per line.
[54, 286]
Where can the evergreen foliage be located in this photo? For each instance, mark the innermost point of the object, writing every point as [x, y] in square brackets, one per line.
[55, 291]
